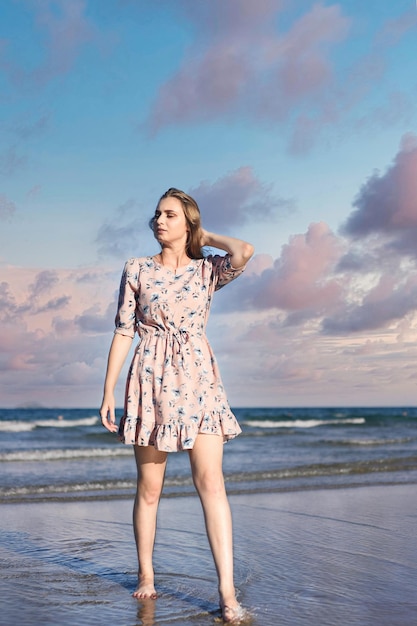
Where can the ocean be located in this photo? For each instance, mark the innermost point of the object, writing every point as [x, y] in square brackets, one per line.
[60, 454]
[324, 503]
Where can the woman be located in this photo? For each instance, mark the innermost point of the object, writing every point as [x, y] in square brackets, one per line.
[174, 395]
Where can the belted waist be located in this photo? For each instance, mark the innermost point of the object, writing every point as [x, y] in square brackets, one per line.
[181, 335]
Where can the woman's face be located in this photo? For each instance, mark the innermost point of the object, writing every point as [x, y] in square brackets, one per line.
[170, 224]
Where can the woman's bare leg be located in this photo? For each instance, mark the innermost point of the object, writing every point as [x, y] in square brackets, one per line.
[206, 464]
[151, 465]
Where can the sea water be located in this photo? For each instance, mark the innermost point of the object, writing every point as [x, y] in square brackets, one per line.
[65, 453]
[324, 508]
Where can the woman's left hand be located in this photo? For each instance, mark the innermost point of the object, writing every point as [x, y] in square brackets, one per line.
[107, 413]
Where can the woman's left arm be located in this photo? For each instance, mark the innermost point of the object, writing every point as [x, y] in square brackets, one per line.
[240, 251]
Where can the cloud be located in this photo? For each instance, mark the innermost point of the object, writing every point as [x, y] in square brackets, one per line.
[11, 162]
[7, 301]
[64, 29]
[67, 30]
[324, 282]
[394, 29]
[242, 64]
[92, 321]
[274, 329]
[54, 341]
[7, 207]
[389, 301]
[55, 304]
[33, 192]
[300, 65]
[397, 108]
[43, 283]
[26, 128]
[386, 205]
[236, 198]
[121, 235]
[301, 280]
[381, 258]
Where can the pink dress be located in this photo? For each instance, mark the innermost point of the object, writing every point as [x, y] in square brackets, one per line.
[174, 389]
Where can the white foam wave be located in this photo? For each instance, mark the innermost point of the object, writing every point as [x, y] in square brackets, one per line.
[301, 423]
[65, 454]
[373, 442]
[62, 423]
[12, 426]
[68, 488]
[18, 426]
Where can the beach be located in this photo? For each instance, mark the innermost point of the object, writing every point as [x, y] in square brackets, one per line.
[319, 557]
[323, 501]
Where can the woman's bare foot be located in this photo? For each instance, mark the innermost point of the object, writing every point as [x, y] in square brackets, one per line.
[233, 615]
[232, 611]
[145, 589]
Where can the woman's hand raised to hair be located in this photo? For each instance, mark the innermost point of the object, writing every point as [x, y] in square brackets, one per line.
[204, 237]
[240, 251]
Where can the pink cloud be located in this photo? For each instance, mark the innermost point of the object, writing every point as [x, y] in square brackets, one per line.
[299, 60]
[222, 19]
[65, 29]
[54, 340]
[258, 264]
[302, 278]
[202, 89]
[245, 65]
[34, 298]
[236, 198]
[300, 321]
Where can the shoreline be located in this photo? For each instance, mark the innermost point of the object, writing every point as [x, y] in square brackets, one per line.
[79, 496]
[318, 556]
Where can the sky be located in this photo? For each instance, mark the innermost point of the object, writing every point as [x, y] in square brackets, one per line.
[292, 123]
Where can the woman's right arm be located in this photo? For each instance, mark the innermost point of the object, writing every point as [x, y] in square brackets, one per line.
[119, 349]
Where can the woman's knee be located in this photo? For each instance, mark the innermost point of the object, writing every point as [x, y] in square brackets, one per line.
[149, 490]
[209, 483]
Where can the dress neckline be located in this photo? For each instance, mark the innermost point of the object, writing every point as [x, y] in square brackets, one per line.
[177, 272]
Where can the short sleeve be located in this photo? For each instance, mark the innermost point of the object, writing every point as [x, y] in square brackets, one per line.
[125, 321]
[223, 270]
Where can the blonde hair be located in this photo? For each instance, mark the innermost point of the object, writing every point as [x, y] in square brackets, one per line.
[193, 219]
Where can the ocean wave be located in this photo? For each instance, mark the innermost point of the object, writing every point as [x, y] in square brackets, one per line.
[64, 454]
[63, 423]
[312, 423]
[238, 482]
[12, 426]
[366, 442]
[48, 490]
[18, 426]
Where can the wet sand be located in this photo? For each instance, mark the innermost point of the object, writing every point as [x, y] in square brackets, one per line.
[319, 557]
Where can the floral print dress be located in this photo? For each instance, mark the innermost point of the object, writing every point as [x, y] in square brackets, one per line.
[174, 389]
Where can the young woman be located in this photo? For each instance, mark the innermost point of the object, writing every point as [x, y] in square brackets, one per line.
[174, 395]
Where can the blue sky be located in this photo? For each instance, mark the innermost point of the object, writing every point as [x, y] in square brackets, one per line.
[293, 124]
